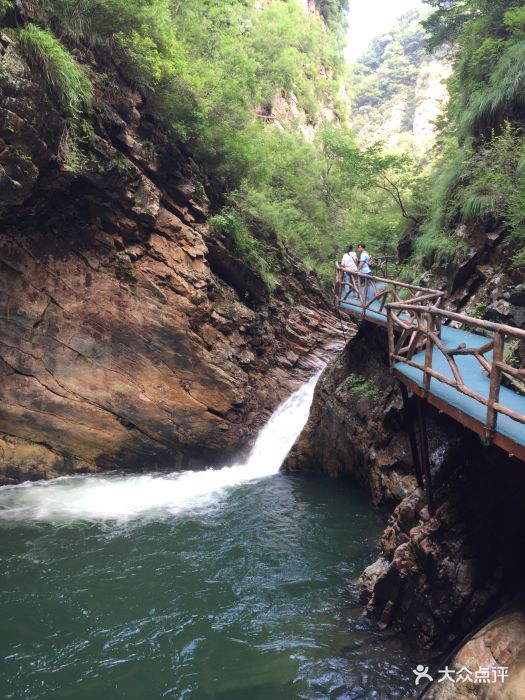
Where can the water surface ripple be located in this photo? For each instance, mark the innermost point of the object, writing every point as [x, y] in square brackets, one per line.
[224, 584]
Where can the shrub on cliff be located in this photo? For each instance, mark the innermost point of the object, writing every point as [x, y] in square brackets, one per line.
[478, 176]
[208, 70]
[67, 81]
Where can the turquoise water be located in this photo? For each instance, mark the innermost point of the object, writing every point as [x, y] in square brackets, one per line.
[239, 596]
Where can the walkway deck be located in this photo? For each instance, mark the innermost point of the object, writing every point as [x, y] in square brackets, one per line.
[373, 312]
[510, 434]
[462, 372]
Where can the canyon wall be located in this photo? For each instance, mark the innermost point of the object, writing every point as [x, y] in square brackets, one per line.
[436, 576]
[132, 335]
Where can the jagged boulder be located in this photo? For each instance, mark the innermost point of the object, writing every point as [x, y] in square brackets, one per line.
[491, 664]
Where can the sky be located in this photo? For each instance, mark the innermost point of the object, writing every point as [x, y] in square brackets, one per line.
[368, 18]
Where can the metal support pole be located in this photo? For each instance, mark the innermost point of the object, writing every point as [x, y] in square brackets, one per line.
[409, 415]
[425, 459]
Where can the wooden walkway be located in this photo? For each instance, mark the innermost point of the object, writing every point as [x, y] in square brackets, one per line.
[461, 365]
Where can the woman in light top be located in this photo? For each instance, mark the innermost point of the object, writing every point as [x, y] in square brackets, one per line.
[349, 261]
[364, 269]
[349, 264]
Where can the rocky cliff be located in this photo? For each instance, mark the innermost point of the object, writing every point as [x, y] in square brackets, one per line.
[493, 653]
[132, 335]
[436, 577]
[399, 89]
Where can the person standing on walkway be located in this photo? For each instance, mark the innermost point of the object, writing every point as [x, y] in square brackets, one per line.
[364, 259]
[364, 269]
[349, 264]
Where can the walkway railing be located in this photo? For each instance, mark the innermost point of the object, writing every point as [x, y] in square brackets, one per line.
[416, 328]
[367, 296]
[382, 263]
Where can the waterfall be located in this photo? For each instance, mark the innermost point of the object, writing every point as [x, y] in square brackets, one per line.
[124, 497]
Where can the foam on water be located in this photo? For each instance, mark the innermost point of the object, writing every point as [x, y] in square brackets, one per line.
[121, 497]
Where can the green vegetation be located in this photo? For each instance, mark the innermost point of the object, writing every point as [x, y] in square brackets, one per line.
[248, 249]
[387, 81]
[486, 88]
[66, 80]
[124, 268]
[333, 12]
[478, 175]
[247, 92]
[478, 311]
[5, 5]
[362, 388]
[206, 65]
[217, 75]
[476, 178]
[68, 86]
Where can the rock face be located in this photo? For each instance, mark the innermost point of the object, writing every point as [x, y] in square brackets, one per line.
[498, 645]
[355, 428]
[436, 577]
[442, 575]
[479, 281]
[131, 336]
[400, 89]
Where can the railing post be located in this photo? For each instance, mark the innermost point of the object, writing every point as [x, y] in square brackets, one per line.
[428, 351]
[495, 385]
[391, 343]
[364, 301]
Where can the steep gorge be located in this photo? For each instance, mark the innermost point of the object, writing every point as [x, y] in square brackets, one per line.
[135, 335]
[131, 334]
[436, 577]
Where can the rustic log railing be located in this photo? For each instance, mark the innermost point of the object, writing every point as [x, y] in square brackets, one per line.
[381, 264]
[446, 355]
[415, 327]
[371, 294]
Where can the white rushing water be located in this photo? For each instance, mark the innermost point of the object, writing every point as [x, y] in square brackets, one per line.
[122, 497]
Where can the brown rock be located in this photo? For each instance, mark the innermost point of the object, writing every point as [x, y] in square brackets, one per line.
[120, 313]
[358, 435]
[437, 576]
[499, 645]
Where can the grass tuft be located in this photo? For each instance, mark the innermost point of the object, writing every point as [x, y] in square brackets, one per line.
[67, 82]
[503, 97]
